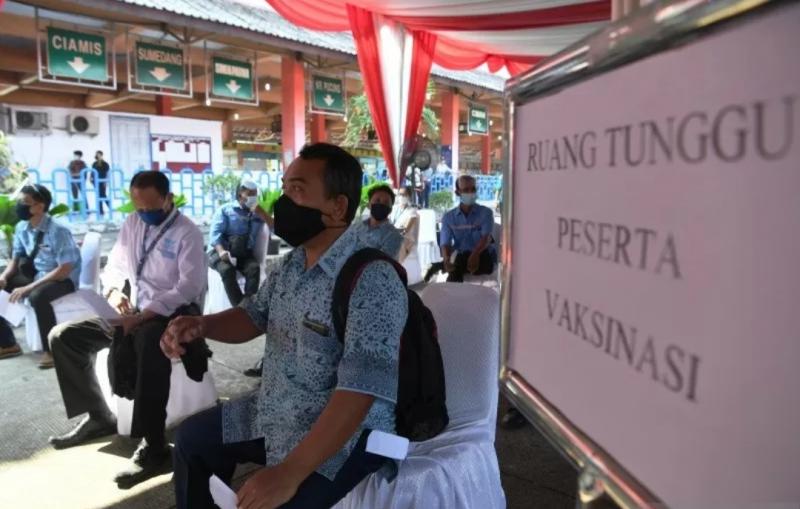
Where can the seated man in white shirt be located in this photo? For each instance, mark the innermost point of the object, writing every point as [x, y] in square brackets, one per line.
[161, 254]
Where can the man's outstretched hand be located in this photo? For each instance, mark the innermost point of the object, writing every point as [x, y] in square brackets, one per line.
[181, 330]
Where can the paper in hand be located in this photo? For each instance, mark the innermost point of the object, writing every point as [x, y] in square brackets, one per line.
[223, 496]
[14, 312]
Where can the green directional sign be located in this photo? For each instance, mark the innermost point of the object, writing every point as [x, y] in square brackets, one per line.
[327, 94]
[159, 66]
[77, 55]
[232, 78]
[478, 122]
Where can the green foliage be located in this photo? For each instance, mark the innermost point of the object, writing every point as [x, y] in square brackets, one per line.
[8, 219]
[127, 208]
[441, 201]
[359, 119]
[267, 199]
[222, 187]
[59, 210]
[5, 152]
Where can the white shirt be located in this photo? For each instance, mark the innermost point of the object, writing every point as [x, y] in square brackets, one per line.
[175, 272]
[406, 219]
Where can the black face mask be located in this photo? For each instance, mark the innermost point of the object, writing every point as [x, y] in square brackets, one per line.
[296, 224]
[379, 211]
[23, 211]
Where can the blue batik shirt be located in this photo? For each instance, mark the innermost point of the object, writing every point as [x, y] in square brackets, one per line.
[385, 236]
[233, 219]
[463, 231]
[57, 247]
[304, 360]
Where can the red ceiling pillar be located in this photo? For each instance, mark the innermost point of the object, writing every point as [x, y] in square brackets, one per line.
[293, 109]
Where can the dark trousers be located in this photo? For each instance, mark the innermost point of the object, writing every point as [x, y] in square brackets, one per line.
[426, 195]
[101, 196]
[250, 269]
[199, 452]
[7, 339]
[41, 299]
[75, 345]
[486, 265]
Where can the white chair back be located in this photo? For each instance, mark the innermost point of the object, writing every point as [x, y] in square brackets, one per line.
[427, 227]
[428, 242]
[413, 268]
[260, 249]
[90, 261]
[468, 321]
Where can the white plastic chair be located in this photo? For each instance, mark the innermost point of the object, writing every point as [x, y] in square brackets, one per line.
[458, 468]
[428, 242]
[186, 397]
[413, 268]
[89, 279]
[216, 299]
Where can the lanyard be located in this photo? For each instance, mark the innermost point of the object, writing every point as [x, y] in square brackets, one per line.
[146, 250]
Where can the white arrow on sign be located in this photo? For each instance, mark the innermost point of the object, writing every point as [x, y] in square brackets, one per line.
[479, 124]
[233, 86]
[78, 65]
[160, 73]
[328, 100]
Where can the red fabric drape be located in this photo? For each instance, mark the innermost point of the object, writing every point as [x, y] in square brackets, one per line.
[598, 10]
[363, 26]
[452, 55]
[313, 14]
[422, 60]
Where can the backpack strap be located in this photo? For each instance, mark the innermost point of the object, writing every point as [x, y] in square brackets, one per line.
[348, 278]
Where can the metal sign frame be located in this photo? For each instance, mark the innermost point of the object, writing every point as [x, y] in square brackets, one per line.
[338, 76]
[652, 29]
[43, 69]
[130, 48]
[208, 58]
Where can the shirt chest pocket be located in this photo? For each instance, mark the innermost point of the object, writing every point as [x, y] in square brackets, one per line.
[317, 359]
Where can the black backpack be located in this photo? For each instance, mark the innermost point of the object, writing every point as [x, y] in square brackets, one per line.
[421, 412]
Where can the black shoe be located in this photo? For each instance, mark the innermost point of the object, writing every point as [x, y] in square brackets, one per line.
[255, 371]
[88, 429]
[147, 462]
[513, 419]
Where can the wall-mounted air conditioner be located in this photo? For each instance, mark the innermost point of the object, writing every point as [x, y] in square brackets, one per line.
[83, 124]
[30, 122]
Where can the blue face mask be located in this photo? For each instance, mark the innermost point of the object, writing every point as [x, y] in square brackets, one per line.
[152, 217]
[468, 199]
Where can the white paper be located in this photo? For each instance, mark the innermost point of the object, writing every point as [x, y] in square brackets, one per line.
[387, 445]
[14, 312]
[223, 496]
[100, 306]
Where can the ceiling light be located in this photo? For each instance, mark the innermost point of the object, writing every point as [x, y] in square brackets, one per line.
[208, 102]
[267, 86]
[236, 116]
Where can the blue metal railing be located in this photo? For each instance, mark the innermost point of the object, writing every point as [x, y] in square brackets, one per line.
[189, 183]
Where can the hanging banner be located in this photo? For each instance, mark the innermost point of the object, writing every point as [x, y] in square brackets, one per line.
[76, 55]
[478, 122]
[160, 66]
[232, 79]
[327, 94]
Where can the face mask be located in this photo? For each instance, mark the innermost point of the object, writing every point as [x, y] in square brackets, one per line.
[76, 158]
[468, 199]
[296, 224]
[23, 211]
[402, 201]
[379, 211]
[250, 202]
[152, 217]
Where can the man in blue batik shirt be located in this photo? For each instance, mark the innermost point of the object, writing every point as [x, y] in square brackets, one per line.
[233, 235]
[320, 394]
[46, 262]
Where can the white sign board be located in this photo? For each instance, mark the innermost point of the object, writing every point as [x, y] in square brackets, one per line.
[656, 263]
